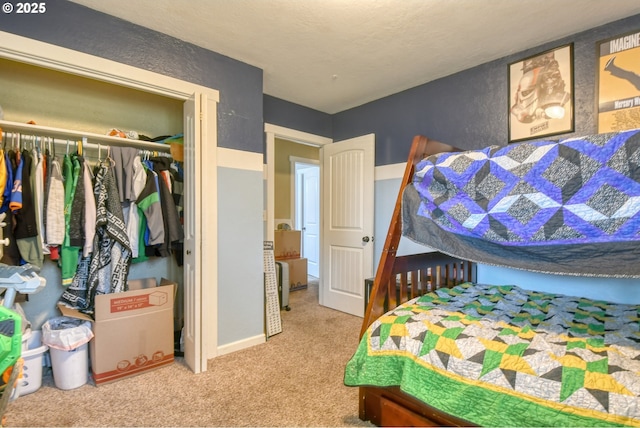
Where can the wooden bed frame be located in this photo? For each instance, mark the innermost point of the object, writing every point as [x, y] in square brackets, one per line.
[399, 279]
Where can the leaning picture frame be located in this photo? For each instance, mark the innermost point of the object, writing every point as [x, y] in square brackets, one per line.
[541, 95]
[618, 83]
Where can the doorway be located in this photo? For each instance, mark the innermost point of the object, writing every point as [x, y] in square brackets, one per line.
[306, 208]
[335, 280]
[274, 132]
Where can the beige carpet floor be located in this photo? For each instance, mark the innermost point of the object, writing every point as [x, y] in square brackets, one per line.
[294, 379]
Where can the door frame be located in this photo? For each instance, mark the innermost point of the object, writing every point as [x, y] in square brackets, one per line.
[271, 132]
[33, 52]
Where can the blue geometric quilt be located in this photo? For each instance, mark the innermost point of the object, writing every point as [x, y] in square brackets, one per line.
[570, 206]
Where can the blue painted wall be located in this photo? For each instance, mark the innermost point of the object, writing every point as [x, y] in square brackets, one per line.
[289, 115]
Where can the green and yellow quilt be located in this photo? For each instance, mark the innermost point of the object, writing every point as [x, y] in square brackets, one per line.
[505, 356]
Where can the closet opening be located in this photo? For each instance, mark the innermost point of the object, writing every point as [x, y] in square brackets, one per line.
[58, 111]
[158, 99]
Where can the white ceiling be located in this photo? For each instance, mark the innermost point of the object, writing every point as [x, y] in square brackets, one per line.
[331, 55]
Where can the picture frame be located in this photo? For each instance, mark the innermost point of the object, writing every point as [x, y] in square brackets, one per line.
[541, 101]
[618, 83]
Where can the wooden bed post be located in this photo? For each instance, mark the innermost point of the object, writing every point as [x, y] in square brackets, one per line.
[419, 274]
[421, 147]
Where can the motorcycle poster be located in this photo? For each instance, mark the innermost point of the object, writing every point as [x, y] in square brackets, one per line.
[541, 95]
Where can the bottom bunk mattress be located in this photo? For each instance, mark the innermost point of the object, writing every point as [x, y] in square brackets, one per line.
[505, 356]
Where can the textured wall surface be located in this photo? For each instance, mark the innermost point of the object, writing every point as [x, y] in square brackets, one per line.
[470, 109]
[82, 29]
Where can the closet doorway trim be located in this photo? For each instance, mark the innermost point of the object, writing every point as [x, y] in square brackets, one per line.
[54, 57]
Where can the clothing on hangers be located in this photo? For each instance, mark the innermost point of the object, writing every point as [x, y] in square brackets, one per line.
[56, 205]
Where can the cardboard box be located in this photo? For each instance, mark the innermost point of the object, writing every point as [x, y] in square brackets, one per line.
[297, 273]
[286, 244]
[133, 330]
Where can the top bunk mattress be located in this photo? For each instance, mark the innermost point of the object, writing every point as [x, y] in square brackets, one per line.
[565, 207]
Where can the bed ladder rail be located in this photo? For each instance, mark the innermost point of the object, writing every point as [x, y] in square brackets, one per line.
[419, 274]
[421, 147]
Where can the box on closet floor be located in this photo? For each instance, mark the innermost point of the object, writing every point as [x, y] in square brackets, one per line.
[133, 330]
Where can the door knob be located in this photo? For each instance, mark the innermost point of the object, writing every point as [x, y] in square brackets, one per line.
[365, 239]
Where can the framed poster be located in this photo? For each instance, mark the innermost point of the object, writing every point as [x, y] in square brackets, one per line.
[618, 80]
[541, 95]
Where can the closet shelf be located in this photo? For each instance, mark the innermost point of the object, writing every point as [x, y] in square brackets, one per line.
[46, 131]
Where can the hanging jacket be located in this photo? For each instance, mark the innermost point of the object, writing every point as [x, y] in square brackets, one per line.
[76, 221]
[107, 269]
[68, 253]
[149, 202]
[174, 232]
[112, 252]
[10, 254]
[26, 221]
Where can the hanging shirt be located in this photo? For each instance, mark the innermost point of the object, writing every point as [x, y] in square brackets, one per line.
[3, 176]
[38, 196]
[15, 202]
[8, 188]
[124, 171]
[55, 206]
[89, 212]
[133, 216]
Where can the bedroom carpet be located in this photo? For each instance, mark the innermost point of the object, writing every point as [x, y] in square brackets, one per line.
[294, 379]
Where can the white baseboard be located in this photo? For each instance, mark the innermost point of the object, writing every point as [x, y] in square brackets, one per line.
[241, 344]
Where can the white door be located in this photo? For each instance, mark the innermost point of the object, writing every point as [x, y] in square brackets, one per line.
[308, 210]
[348, 204]
[191, 334]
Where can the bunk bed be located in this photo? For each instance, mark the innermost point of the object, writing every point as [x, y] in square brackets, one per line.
[419, 363]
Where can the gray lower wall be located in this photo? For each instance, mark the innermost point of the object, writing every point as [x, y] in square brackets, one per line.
[240, 255]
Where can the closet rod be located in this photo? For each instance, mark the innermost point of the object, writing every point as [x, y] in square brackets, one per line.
[26, 129]
[73, 145]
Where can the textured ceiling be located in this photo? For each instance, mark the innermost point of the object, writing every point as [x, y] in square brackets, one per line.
[331, 55]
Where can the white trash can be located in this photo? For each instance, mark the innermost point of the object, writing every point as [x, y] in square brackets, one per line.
[67, 339]
[70, 368]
